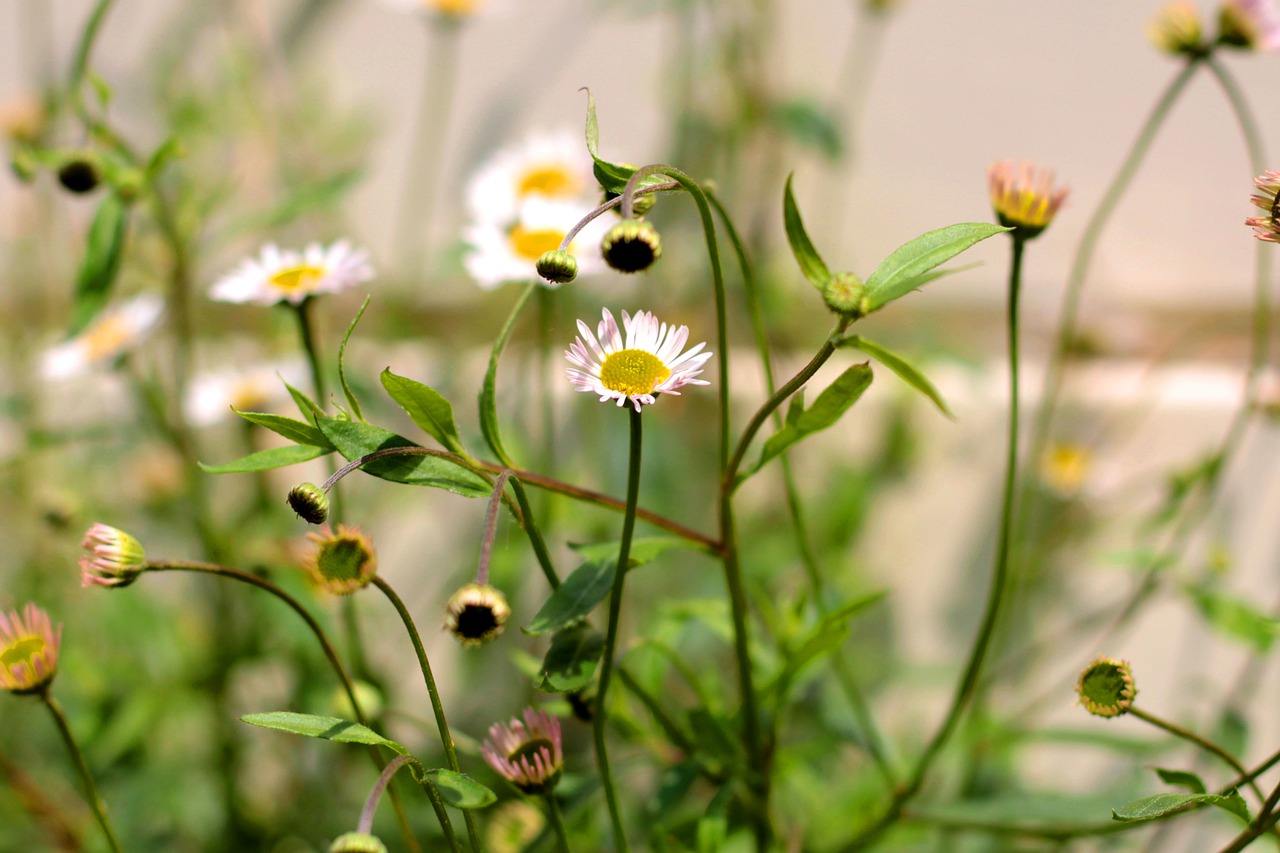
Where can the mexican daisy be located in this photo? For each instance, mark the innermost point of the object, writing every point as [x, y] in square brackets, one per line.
[1266, 227]
[550, 166]
[116, 330]
[527, 754]
[636, 363]
[1023, 196]
[278, 275]
[28, 650]
[503, 252]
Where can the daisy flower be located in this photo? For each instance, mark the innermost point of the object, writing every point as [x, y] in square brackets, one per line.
[288, 276]
[116, 330]
[112, 557]
[1023, 196]
[28, 650]
[555, 167]
[214, 393]
[451, 9]
[527, 754]
[499, 253]
[636, 364]
[1266, 227]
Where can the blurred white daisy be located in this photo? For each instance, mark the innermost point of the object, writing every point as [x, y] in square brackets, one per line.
[498, 253]
[553, 166]
[288, 276]
[115, 331]
[213, 394]
[452, 9]
[637, 363]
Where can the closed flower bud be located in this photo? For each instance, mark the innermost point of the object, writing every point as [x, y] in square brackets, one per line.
[1106, 688]
[1176, 29]
[343, 562]
[28, 650]
[79, 174]
[558, 266]
[114, 557]
[310, 503]
[845, 295]
[1024, 197]
[631, 246]
[476, 614]
[357, 842]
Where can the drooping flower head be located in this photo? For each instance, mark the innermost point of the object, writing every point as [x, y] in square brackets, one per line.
[28, 650]
[635, 364]
[1023, 196]
[1176, 29]
[1249, 24]
[1106, 688]
[286, 275]
[527, 754]
[114, 332]
[1266, 227]
[476, 614]
[343, 562]
[500, 252]
[113, 558]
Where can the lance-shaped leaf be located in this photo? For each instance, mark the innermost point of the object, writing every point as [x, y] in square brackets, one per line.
[813, 267]
[460, 790]
[427, 407]
[304, 403]
[909, 266]
[295, 430]
[100, 265]
[612, 176]
[266, 460]
[342, 363]
[355, 440]
[833, 402]
[1234, 617]
[328, 728]
[1181, 778]
[899, 365]
[1159, 805]
[570, 663]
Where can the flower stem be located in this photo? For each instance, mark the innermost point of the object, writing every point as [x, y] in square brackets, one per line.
[446, 739]
[611, 636]
[365, 824]
[490, 528]
[1203, 743]
[306, 334]
[90, 787]
[488, 403]
[557, 823]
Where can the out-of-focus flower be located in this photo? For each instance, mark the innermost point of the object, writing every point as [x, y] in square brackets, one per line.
[1249, 24]
[1065, 467]
[476, 614]
[357, 842]
[1176, 29]
[343, 561]
[1266, 227]
[29, 651]
[23, 118]
[527, 754]
[114, 557]
[288, 276]
[1106, 688]
[510, 252]
[454, 10]
[554, 167]
[512, 825]
[116, 330]
[637, 367]
[1023, 196]
[212, 394]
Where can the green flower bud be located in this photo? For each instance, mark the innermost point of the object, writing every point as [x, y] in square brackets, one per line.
[1106, 688]
[631, 246]
[79, 174]
[558, 266]
[845, 295]
[310, 503]
[357, 842]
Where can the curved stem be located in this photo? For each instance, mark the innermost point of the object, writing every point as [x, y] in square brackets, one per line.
[80, 65]
[96, 802]
[1203, 743]
[557, 823]
[365, 824]
[489, 421]
[490, 528]
[600, 719]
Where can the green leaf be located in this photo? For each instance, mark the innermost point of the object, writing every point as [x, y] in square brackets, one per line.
[329, 728]
[811, 124]
[833, 402]
[715, 738]
[355, 440]
[576, 597]
[304, 403]
[297, 431]
[1234, 617]
[427, 407]
[612, 176]
[266, 460]
[904, 369]
[570, 663]
[811, 264]
[828, 633]
[899, 274]
[168, 151]
[1159, 805]
[488, 391]
[100, 266]
[460, 790]
[342, 363]
[644, 549]
[1182, 779]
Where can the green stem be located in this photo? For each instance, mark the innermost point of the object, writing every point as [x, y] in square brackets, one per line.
[306, 334]
[446, 739]
[488, 396]
[600, 720]
[535, 535]
[90, 787]
[1264, 822]
[557, 823]
[80, 65]
[1203, 743]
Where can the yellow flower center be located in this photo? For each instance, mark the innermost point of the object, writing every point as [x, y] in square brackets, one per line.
[532, 242]
[457, 8]
[1065, 467]
[21, 650]
[249, 393]
[632, 371]
[301, 277]
[552, 179]
[107, 337]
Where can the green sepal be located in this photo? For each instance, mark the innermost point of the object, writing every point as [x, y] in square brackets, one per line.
[909, 266]
[811, 264]
[571, 661]
[100, 266]
[299, 432]
[460, 790]
[427, 407]
[1160, 805]
[266, 460]
[328, 728]
[905, 370]
[355, 440]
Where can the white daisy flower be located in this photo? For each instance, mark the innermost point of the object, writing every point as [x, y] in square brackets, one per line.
[116, 330]
[636, 364]
[452, 9]
[501, 253]
[289, 276]
[555, 166]
[213, 394]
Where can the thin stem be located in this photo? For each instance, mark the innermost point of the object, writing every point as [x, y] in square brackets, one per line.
[446, 739]
[489, 421]
[80, 65]
[1265, 820]
[611, 636]
[306, 333]
[90, 787]
[557, 822]
[490, 528]
[535, 536]
[1202, 742]
[365, 824]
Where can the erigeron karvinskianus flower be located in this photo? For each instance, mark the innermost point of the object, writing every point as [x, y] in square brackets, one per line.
[527, 754]
[1176, 29]
[476, 614]
[284, 275]
[28, 650]
[552, 167]
[1249, 24]
[212, 395]
[113, 558]
[1266, 227]
[502, 252]
[1024, 196]
[114, 332]
[1106, 688]
[636, 363]
[343, 560]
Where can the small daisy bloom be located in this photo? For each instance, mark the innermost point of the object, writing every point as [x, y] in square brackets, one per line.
[551, 166]
[113, 557]
[455, 10]
[28, 650]
[527, 754]
[214, 393]
[1266, 227]
[1024, 196]
[636, 364]
[116, 330]
[1251, 24]
[278, 275]
[502, 253]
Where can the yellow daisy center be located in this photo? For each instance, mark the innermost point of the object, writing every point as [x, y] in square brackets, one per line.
[21, 650]
[108, 336]
[1066, 467]
[633, 371]
[301, 277]
[248, 393]
[458, 8]
[551, 179]
[532, 242]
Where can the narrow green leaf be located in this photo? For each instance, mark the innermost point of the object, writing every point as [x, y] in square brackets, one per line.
[570, 663]
[811, 264]
[828, 633]
[342, 363]
[427, 407]
[297, 431]
[1234, 617]
[899, 365]
[899, 274]
[304, 403]
[1159, 805]
[100, 266]
[488, 391]
[644, 549]
[833, 402]
[168, 151]
[460, 790]
[355, 440]
[576, 597]
[612, 176]
[329, 728]
[266, 460]
[1181, 778]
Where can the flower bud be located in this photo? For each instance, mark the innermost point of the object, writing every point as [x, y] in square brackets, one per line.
[631, 246]
[844, 294]
[344, 561]
[357, 842]
[558, 266]
[476, 614]
[29, 647]
[1106, 688]
[310, 503]
[79, 174]
[1176, 29]
[114, 558]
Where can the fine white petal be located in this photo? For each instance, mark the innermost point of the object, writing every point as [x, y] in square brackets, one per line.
[331, 269]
